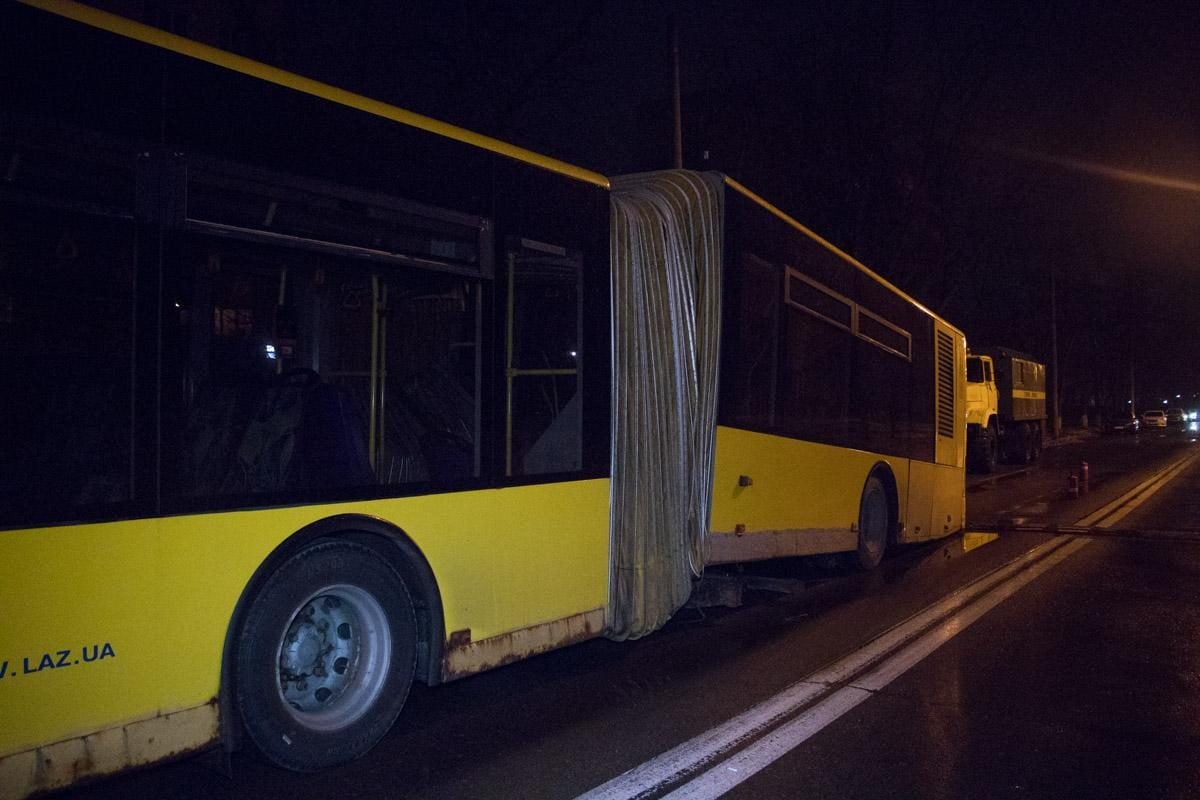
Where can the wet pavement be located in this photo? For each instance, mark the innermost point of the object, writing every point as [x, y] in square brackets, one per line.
[1084, 682]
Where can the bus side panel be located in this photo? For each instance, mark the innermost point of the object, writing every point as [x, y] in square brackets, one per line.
[936, 490]
[940, 488]
[83, 643]
[796, 485]
[950, 500]
[111, 623]
[508, 559]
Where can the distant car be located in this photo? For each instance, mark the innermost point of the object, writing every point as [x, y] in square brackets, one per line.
[1154, 419]
[1126, 425]
[1176, 417]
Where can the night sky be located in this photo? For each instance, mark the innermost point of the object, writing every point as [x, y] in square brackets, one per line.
[967, 151]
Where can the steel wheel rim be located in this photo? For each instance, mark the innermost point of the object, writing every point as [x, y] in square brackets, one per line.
[333, 657]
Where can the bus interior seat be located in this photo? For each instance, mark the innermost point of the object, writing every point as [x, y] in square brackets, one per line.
[295, 432]
[444, 413]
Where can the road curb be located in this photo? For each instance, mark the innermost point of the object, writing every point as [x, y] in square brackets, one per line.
[985, 480]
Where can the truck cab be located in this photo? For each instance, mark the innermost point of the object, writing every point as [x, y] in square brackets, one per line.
[982, 425]
[1006, 408]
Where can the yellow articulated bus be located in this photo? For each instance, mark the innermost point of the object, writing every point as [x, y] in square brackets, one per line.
[307, 397]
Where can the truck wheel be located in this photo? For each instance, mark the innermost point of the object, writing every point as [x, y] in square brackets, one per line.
[983, 455]
[873, 524]
[1025, 443]
[1019, 439]
[325, 657]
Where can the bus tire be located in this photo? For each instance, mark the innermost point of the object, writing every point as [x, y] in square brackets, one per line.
[326, 656]
[873, 523]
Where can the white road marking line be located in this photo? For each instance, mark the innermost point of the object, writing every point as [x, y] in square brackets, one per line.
[745, 764]
[702, 750]
[987, 592]
[1115, 511]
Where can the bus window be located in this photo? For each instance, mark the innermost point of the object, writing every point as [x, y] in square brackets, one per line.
[430, 405]
[307, 371]
[751, 364]
[815, 380]
[543, 410]
[66, 333]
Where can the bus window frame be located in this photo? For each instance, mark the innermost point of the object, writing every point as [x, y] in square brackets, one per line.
[187, 169]
[515, 248]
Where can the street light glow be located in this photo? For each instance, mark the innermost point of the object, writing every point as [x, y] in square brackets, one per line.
[1106, 171]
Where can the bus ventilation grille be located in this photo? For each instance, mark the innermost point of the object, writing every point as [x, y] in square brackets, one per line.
[945, 385]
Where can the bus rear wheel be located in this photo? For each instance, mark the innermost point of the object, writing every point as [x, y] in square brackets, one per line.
[326, 656]
[873, 523]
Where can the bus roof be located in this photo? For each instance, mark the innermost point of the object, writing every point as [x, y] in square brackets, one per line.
[155, 37]
[842, 254]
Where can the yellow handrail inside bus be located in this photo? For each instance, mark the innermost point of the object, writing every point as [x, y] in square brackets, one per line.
[169, 41]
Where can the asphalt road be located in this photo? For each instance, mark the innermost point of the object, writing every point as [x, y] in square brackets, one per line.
[1084, 683]
[1081, 679]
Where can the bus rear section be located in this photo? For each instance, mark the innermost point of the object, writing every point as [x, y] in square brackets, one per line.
[840, 427]
[820, 407]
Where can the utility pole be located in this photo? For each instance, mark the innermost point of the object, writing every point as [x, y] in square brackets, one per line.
[1056, 419]
[1132, 395]
[678, 162]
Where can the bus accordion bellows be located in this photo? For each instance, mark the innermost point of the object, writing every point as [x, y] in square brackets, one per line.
[308, 397]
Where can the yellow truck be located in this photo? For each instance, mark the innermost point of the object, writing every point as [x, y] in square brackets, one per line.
[1006, 408]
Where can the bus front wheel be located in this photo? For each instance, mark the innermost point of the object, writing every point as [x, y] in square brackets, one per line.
[326, 656]
[873, 523]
